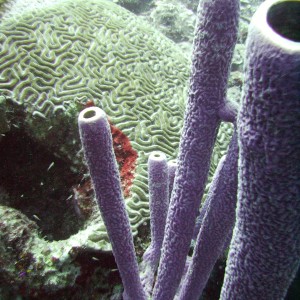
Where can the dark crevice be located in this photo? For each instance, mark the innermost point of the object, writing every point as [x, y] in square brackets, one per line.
[38, 184]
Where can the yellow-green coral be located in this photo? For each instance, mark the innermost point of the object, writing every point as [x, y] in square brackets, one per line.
[56, 55]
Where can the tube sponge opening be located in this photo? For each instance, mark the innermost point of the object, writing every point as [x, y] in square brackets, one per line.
[91, 114]
[284, 19]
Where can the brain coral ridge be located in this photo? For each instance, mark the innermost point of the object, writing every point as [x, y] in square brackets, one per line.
[56, 55]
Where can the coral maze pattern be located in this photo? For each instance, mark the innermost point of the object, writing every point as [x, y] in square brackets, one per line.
[55, 57]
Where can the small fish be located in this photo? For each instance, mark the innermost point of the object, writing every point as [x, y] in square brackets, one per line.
[36, 217]
[70, 197]
[95, 258]
[50, 166]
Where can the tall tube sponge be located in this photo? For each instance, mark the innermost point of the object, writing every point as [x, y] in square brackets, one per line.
[172, 166]
[97, 144]
[215, 38]
[265, 250]
[158, 201]
[216, 226]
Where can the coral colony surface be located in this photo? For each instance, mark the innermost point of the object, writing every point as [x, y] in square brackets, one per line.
[167, 177]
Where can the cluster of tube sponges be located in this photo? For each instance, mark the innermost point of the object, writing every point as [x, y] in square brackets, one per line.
[254, 196]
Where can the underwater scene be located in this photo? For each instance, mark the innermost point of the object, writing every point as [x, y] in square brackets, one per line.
[150, 149]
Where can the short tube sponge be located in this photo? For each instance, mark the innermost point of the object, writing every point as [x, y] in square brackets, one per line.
[97, 144]
[158, 202]
[265, 250]
[216, 34]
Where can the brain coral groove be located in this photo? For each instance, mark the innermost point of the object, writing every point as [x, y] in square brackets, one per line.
[55, 55]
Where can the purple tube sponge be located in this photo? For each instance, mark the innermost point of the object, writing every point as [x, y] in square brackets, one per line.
[158, 196]
[98, 149]
[265, 250]
[159, 201]
[216, 226]
[172, 166]
[216, 34]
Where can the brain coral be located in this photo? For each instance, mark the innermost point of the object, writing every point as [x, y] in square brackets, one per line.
[56, 55]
